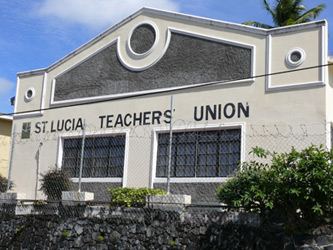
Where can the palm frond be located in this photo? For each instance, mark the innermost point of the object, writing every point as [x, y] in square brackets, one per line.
[311, 14]
[285, 10]
[288, 12]
[298, 5]
[268, 8]
[258, 24]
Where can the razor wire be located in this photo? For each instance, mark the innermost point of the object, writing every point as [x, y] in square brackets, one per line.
[197, 151]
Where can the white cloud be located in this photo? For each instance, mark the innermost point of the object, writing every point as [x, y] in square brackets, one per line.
[5, 86]
[98, 14]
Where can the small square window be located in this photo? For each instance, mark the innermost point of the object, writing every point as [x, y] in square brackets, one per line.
[26, 128]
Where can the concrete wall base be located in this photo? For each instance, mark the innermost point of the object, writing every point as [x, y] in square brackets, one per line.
[11, 197]
[72, 198]
[171, 202]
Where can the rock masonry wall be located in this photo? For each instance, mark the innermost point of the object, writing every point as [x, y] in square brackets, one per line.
[142, 228]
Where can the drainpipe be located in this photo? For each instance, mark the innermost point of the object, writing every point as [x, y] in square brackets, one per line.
[37, 171]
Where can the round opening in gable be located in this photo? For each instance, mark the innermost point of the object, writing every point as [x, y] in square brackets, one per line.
[29, 94]
[295, 57]
[143, 38]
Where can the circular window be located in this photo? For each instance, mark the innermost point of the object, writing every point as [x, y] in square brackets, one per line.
[29, 94]
[295, 57]
[143, 39]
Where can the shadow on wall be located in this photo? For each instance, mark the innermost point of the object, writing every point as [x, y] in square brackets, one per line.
[100, 190]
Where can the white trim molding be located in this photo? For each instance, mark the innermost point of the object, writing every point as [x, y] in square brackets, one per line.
[323, 58]
[127, 64]
[301, 59]
[157, 38]
[29, 94]
[98, 180]
[27, 114]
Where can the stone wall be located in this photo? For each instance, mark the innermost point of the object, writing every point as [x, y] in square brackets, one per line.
[142, 228]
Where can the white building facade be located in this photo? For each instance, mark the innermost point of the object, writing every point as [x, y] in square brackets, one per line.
[233, 86]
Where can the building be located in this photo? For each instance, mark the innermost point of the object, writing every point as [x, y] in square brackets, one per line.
[5, 142]
[233, 86]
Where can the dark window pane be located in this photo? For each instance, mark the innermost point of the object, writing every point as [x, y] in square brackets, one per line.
[162, 150]
[202, 160]
[189, 171]
[211, 160]
[210, 171]
[180, 171]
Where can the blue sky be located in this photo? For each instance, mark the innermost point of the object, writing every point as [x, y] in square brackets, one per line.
[35, 34]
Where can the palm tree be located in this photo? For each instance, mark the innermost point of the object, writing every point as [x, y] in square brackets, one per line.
[288, 12]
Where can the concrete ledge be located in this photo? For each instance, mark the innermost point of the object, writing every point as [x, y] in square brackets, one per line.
[171, 202]
[73, 198]
[11, 197]
[204, 206]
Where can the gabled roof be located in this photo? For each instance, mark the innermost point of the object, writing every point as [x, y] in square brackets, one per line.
[179, 16]
[6, 117]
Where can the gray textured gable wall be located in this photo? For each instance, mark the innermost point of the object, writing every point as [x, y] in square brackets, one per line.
[188, 60]
[142, 38]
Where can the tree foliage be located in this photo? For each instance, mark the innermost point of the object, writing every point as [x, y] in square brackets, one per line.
[4, 183]
[297, 185]
[288, 12]
[54, 182]
[132, 197]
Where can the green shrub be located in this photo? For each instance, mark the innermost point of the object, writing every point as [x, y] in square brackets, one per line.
[251, 189]
[298, 186]
[4, 183]
[132, 197]
[54, 182]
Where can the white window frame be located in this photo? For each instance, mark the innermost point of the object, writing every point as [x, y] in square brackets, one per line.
[157, 131]
[122, 180]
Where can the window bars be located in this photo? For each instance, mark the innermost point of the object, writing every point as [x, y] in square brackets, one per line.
[211, 153]
[103, 156]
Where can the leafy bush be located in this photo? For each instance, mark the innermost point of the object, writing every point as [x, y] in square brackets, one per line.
[298, 186]
[132, 197]
[54, 182]
[250, 189]
[4, 183]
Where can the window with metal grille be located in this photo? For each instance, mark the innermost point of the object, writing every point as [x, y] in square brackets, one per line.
[200, 153]
[103, 156]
